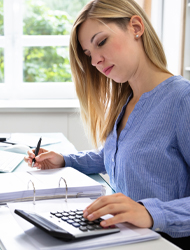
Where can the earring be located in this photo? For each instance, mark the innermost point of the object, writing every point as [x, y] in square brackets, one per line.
[137, 36]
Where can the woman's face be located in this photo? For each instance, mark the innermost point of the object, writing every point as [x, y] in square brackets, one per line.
[115, 52]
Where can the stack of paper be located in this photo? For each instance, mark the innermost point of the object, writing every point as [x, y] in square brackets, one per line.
[18, 186]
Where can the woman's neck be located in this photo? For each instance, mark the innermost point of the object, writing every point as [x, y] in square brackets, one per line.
[146, 78]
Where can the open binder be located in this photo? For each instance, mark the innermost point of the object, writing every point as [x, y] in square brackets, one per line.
[47, 184]
[36, 188]
[41, 240]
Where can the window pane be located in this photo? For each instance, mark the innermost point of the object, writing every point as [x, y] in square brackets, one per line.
[46, 64]
[1, 65]
[49, 17]
[1, 18]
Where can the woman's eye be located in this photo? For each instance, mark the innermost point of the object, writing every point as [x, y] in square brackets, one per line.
[102, 42]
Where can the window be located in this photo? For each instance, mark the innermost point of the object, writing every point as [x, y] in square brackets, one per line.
[34, 55]
[154, 10]
[34, 39]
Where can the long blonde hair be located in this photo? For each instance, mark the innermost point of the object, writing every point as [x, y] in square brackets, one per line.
[101, 99]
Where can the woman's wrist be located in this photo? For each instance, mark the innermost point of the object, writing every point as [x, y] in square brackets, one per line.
[62, 165]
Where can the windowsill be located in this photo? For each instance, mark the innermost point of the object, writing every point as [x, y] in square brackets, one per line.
[62, 105]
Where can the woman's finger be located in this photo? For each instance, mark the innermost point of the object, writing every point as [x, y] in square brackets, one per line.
[103, 201]
[44, 156]
[118, 218]
[113, 208]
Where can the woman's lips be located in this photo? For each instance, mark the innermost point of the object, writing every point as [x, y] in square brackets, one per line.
[108, 70]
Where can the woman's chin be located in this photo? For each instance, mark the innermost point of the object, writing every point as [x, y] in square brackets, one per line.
[119, 80]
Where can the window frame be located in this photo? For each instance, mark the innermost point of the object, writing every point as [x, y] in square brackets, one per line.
[13, 43]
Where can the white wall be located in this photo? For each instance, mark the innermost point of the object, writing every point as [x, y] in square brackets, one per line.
[167, 20]
[69, 123]
[172, 34]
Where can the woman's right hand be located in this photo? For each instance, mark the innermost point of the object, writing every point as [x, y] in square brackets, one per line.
[45, 159]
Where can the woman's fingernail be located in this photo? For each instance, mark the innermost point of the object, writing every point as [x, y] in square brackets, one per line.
[90, 217]
[103, 223]
[85, 214]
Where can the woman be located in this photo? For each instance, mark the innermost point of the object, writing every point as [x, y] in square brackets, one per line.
[133, 106]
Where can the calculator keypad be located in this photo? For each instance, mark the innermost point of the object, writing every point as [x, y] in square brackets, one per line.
[76, 219]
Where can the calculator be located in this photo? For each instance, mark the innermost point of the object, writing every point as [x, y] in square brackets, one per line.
[67, 225]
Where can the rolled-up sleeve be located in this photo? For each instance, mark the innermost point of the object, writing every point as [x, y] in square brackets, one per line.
[87, 162]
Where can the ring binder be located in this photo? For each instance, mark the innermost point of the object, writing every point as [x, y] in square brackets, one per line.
[34, 190]
[65, 187]
[46, 185]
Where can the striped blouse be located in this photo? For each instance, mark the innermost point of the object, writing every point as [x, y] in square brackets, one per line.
[150, 161]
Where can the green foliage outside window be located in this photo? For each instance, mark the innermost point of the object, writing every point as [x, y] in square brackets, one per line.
[1, 18]
[48, 64]
[45, 17]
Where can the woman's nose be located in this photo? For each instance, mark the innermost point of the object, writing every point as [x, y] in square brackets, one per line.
[96, 59]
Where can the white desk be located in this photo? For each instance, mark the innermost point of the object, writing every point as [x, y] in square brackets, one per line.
[17, 240]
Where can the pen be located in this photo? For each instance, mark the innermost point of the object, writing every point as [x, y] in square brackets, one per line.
[3, 139]
[36, 151]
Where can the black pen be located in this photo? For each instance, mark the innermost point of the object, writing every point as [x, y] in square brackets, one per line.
[36, 151]
[3, 139]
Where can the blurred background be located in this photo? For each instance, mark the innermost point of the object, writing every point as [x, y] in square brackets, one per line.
[36, 89]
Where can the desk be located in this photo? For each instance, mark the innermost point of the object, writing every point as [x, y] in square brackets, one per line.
[66, 146]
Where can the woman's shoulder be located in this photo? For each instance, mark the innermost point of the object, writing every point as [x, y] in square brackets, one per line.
[172, 92]
[178, 86]
[179, 82]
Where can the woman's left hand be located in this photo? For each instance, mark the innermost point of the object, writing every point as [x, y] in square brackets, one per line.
[122, 208]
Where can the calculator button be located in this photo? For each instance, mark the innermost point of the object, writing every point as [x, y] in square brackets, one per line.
[79, 212]
[78, 216]
[72, 213]
[96, 221]
[66, 211]
[90, 227]
[58, 215]
[82, 228]
[71, 217]
[77, 220]
[53, 212]
[65, 214]
[83, 223]
[70, 221]
[84, 219]
[97, 227]
[90, 222]
[65, 218]
[75, 224]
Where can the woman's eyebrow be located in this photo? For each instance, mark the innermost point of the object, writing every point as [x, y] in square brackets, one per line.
[92, 39]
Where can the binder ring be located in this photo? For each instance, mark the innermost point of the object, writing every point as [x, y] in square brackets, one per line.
[65, 187]
[34, 191]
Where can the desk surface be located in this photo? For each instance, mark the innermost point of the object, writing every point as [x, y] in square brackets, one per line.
[66, 146]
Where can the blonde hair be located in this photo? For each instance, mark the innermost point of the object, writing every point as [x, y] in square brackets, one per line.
[101, 99]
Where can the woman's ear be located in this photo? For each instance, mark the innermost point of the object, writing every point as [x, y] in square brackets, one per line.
[137, 26]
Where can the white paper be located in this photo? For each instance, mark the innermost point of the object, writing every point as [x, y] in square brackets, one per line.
[31, 140]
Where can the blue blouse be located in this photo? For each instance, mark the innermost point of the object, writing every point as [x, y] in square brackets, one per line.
[150, 162]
